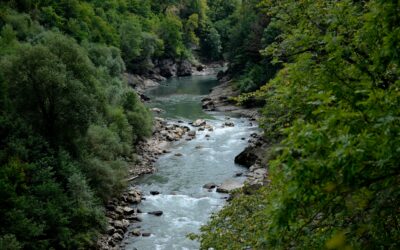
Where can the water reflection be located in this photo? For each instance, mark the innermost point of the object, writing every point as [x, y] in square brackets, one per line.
[180, 97]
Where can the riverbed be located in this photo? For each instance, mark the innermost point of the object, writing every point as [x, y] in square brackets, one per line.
[209, 158]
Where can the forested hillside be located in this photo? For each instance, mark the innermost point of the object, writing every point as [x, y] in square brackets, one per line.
[332, 114]
[324, 73]
[68, 121]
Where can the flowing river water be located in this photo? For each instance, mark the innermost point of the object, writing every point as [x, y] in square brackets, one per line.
[179, 179]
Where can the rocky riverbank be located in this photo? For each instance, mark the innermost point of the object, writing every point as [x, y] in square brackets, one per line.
[121, 212]
[253, 156]
[219, 99]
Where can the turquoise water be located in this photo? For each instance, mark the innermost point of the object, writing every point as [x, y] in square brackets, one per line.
[180, 97]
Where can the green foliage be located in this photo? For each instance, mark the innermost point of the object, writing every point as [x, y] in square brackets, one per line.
[131, 39]
[333, 111]
[170, 31]
[68, 120]
[210, 42]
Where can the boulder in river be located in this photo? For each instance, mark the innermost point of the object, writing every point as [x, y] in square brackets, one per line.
[136, 232]
[157, 110]
[156, 213]
[178, 154]
[210, 185]
[229, 124]
[146, 234]
[199, 123]
[229, 186]
[154, 192]
[184, 68]
[167, 67]
[247, 157]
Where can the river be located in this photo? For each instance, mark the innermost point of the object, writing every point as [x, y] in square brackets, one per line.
[179, 179]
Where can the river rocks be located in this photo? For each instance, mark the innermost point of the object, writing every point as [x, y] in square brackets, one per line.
[156, 213]
[140, 83]
[110, 230]
[133, 218]
[199, 123]
[192, 134]
[146, 234]
[247, 157]
[154, 192]
[117, 237]
[208, 104]
[136, 232]
[229, 124]
[167, 67]
[220, 100]
[178, 154]
[200, 67]
[238, 174]
[254, 153]
[128, 210]
[184, 68]
[209, 185]
[229, 186]
[157, 110]
[121, 224]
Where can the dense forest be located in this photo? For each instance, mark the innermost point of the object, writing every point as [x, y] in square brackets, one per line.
[331, 114]
[68, 120]
[324, 73]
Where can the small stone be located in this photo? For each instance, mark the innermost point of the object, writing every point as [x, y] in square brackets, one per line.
[136, 232]
[146, 234]
[118, 224]
[110, 230]
[229, 124]
[157, 110]
[128, 210]
[154, 192]
[125, 223]
[199, 122]
[117, 237]
[228, 186]
[199, 147]
[207, 135]
[178, 154]
[156, 213]
[210, 185]
[119, 210]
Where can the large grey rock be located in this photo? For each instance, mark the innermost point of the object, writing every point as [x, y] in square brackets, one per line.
[247, 157]
[229, 186]
[184, 68]
[167, 67]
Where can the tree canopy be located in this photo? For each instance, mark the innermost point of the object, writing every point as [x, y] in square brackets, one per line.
[332, 111]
